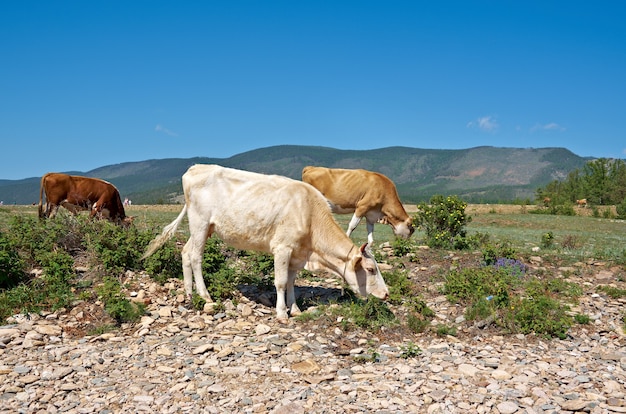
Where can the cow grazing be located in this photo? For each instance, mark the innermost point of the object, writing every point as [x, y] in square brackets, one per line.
[582, 203]
[272, 214]
[77, 193]
[365, 193]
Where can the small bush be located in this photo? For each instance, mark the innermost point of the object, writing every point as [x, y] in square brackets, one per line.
[115, 304]
[541, 315]
[58, 277]
[402, 247]
[12, 266]
[411, 350]
[473, 285]
[257, 270]
[417, 323]
[445, 330]
[444, 221]
[613, 292]
[399, 285]
[197, 301]
[547, 240]
[621, 210]
[492, 252]
[371, 314]
[116, 248]
[165, 263]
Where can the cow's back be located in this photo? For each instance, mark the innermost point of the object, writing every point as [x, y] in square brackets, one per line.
[345, 188]
[250, 210]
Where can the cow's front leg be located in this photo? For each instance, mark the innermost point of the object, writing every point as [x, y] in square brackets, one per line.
[291, 294]
[370, 233]
[281, 282]
[354, 221]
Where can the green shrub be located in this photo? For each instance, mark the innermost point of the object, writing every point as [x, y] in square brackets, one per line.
[399, 285]
[541, 315]
[492, 252]
[214, 257]
[501, 294]
[197, 301]
[116, 304]
[402, 247]
[410, 350]
[556, 209]
[116, 248]
[257, 270]
[444, 221]
[547, 240]
[476, 284]
[165, 263]
[222, 284]
[621, 210]
[445, 330]
[12, 266]
[417, 323]
[613, 292]
[58, 268]
[370, 314]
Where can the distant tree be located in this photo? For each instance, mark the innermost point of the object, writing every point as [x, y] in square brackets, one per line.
[601, 182]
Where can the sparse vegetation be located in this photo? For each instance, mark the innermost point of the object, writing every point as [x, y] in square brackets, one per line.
[494, 289]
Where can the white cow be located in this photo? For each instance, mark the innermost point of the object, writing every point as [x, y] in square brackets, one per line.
[272, 214]
[365, 193]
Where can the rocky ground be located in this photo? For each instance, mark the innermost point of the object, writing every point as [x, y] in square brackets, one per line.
[178, 360]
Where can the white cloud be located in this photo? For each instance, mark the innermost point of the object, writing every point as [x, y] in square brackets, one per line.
[551, 126]
[484, 123]
[161, 128]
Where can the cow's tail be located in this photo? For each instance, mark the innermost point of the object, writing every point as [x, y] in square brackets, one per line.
[168, 232]
[40, 209]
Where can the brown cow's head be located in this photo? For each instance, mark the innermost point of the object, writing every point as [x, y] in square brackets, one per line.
[126, 221]
[404, 228]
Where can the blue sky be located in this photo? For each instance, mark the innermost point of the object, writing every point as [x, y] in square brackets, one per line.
[85, 84]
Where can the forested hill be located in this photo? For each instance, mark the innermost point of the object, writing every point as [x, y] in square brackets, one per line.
[478, 175]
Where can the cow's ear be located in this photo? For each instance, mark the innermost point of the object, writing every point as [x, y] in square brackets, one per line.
[356, 261]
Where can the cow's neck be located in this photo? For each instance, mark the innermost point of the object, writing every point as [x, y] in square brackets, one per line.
[336, 257]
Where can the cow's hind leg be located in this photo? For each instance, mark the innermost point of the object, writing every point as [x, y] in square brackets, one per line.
[192, 264]
[51, 210]
[291, 294]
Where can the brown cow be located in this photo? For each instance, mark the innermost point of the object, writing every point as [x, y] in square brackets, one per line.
[77, 193]
[365, 193]
[582, 202]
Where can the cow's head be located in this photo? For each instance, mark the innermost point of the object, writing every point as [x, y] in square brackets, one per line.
[363, 276]
[404, 228]
[126, 221]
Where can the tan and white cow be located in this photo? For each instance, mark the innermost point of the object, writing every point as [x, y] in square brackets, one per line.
[272, 214]
[365, 193]
[77, 193]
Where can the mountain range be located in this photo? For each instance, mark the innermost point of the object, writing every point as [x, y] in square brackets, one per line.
[477, 175]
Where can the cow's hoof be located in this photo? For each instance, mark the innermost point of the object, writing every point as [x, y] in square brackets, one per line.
[282, 321]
